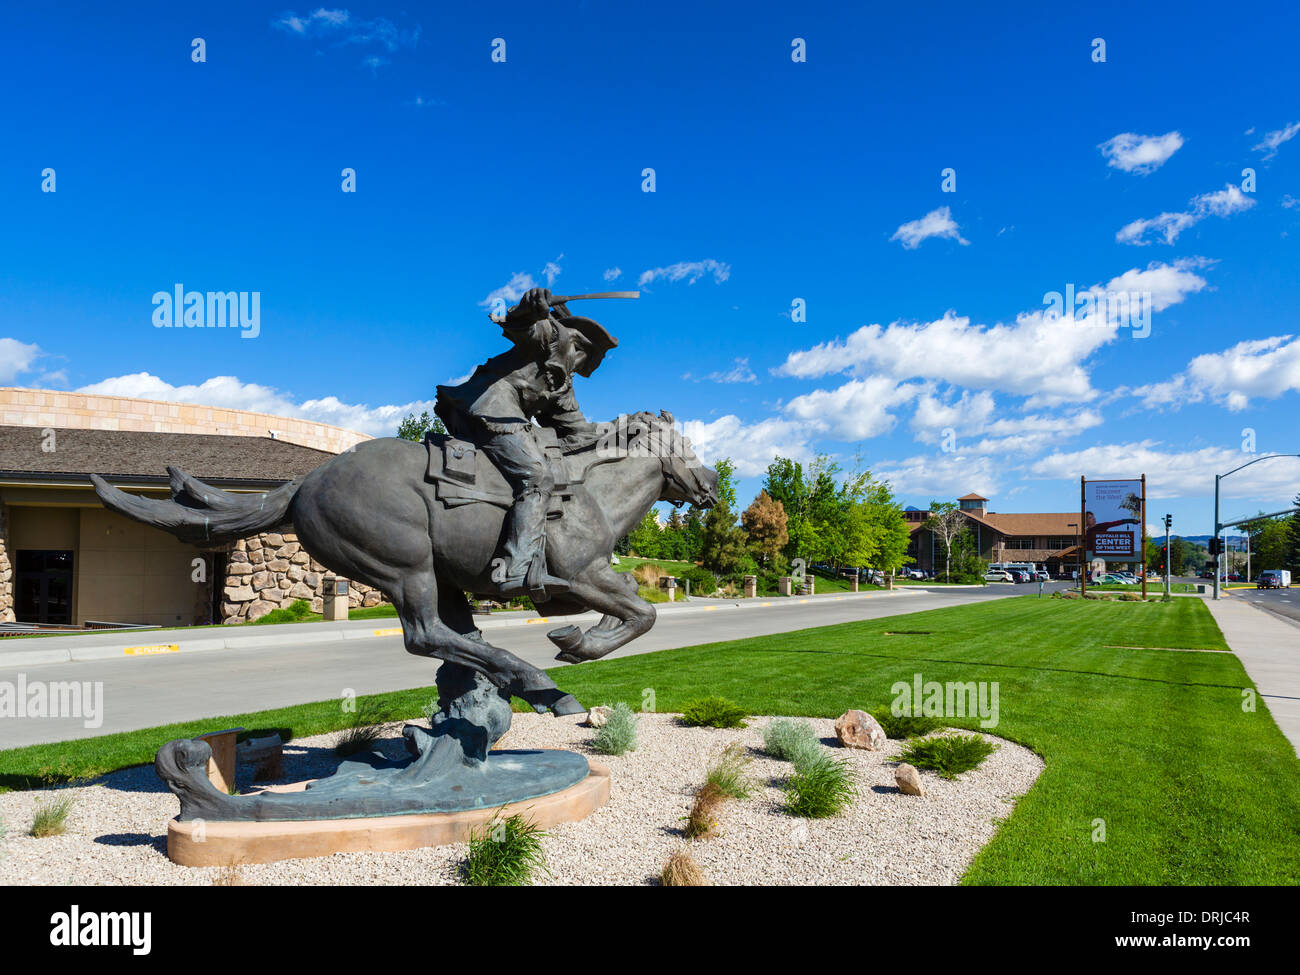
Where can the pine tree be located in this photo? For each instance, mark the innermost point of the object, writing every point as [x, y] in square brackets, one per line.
[765, 524]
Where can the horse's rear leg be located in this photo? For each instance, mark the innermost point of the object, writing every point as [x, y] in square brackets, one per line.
[436, 622]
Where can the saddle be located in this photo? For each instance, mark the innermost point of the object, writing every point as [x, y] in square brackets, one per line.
[462, 474]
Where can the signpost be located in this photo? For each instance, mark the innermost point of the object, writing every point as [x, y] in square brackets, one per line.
[1108, 511]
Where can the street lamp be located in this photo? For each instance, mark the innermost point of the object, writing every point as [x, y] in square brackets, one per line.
[1219, 526]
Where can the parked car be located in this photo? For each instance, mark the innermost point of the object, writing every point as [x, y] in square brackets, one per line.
[1042, 575]
[997, 575]
[917, 574]
[1274, 579]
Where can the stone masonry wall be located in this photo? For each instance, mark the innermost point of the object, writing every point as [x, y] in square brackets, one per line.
[6, 570]
[271, 570]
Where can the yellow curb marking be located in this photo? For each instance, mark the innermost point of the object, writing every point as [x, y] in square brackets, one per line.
[148, 651]
[540, 619]
[391, 631]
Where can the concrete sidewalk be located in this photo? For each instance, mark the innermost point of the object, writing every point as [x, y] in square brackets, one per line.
[1269, 648]
[28, 651]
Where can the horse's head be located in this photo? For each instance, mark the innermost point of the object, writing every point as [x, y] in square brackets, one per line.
[686, 479]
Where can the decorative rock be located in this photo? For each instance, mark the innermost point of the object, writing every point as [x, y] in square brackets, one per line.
[239, 594]
[598, 716]
[260, 607]
[278, 565]
[272, 539]
[857, 729]
[908, 780]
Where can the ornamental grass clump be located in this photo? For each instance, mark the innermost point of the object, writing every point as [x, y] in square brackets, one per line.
[727, 778]
[729, 772]
[618, 734]
[504, 853]
[949, 755]
[51, 817]
[681, 870]
[366, 729]
[790, 740]
[713, 712]
[821, 786]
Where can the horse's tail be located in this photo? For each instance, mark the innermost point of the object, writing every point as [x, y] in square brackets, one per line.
[199, 513]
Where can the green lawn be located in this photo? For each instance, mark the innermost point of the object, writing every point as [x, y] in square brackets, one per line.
[1154, 742]
[1192, 789]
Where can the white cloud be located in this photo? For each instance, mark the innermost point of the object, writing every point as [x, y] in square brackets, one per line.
[751, 446]
[341, 27]
[976, 416]
[1140, 153]
[1173, 473]
[16, 358]
[1040, 355]
[1167, 226]
[511, 291]
[688, 271]
[230, 392]
[936, 223]
[738, 373]
[613, 273]
[1273, 140]
[940, 477]
[1251, 370]
[856, 410]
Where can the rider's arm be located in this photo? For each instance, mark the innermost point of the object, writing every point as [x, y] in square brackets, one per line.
[575, 430]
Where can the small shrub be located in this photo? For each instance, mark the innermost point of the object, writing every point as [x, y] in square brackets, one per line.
[366, 729]
[820, 787]
[908, 725]
[949, 755]
[702, 820]
[652, 594]
[295, 612]
[790, 740]
[1130, 597]
[51, 817]
[713, 712]
[728, 773]
[681, 870]
[618, 735]
[504, 853]
[703, 582]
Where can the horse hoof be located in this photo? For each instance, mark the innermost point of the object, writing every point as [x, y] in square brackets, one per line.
[567, 638]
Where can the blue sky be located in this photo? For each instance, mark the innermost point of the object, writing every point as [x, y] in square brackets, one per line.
[927, 347]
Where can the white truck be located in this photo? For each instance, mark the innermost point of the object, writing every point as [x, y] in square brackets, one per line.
[1274, 579]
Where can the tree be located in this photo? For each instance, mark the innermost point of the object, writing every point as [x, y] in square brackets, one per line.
[415, 427]
[722, 541]
[765, 524]
[946, 522]
[646, 539]
[692, 534]
[812, 508]
[1293, 542]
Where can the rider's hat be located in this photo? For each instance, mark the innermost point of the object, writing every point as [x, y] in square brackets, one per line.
[599, 340]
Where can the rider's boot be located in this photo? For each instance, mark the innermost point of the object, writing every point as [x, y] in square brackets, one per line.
[522, 569]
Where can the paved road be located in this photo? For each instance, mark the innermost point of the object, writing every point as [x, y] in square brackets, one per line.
[141, 692]
[1282, 602]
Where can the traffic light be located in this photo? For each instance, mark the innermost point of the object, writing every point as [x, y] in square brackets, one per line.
[1216, 546]
[1169, 522]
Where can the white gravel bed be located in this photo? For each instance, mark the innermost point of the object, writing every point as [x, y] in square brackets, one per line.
[117, 826]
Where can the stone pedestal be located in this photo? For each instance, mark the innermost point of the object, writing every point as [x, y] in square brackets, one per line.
[199, 843]
[853, 582]
[335, 601]
[751, 587]
[785, 586]
[811, 583]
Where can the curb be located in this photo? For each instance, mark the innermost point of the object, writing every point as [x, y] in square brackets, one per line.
[75, 654]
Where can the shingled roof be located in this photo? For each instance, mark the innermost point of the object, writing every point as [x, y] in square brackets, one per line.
[118, 454]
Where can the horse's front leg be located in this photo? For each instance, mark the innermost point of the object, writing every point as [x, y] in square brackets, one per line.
[627, 615]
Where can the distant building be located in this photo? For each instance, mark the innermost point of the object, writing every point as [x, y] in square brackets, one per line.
[67, 560]
[1049, 539]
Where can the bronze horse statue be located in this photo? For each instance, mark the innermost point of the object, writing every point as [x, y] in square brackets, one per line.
[373, 515]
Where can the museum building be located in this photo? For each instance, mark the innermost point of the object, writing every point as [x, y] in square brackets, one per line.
[65, 560]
